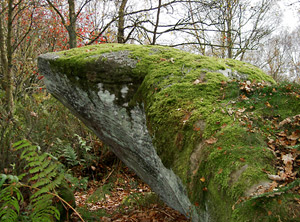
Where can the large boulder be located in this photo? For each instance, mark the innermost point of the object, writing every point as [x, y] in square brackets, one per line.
[169, 116]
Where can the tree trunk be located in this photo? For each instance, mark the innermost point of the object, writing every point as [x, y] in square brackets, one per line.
[3, 54]
[229, 17]
[6, 58]
[156, 24]
[72, 27]
[121, 22]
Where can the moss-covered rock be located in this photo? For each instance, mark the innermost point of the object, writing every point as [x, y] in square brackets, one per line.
[146, 101]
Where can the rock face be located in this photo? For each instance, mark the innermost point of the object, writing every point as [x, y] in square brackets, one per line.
[164, 113]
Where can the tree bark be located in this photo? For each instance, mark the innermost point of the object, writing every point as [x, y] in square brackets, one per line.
[3, 54]
[121, 22]
[72, 26]
[6, 58]
[229, 17]
[157, 22]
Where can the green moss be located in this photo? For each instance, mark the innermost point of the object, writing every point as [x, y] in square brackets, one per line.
[239, 149]
[253, 72]
[179, 91]
[232, 165]
[271, 209]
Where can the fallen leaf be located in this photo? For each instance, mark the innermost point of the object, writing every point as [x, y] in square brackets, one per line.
[268, 104]
[202, 179]
[285, 121]
[223, 83]
[196, 128]
[243, 97]
[294, 136]
[211, 140]
[241, 110]
[242, 159]
[276, 177]
[33, 114]
[230, 111]
[279, 201]
[186, 117]
[197, 81]
[288, 160]
[224, 125]
[282, 133]
[194, 172]
[220, 171]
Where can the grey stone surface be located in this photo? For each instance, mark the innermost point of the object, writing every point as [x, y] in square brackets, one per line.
[123, 129]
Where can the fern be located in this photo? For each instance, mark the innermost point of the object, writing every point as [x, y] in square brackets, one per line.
[74, 154]
[71, 156]
[10, 197]
[66, 152]
[44, 179]
[43, 209]
[83, 144]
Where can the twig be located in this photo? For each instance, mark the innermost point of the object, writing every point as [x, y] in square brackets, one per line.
[54, 194]
[103, 182]
[167, 214]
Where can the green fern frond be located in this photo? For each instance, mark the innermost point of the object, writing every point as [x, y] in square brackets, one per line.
[43, 198]
[43, 209]
[41, 167]
[47, 185]
[49, 173]
[31, 155]
[44, 178]
[21, 144]
[9, 178]
[71, 156]
[42, 182]
[36, 160]
[9, 203]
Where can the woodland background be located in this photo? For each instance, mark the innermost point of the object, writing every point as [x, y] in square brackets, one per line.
[246, 30]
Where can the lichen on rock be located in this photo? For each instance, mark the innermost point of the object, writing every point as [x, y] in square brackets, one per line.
[164, 114]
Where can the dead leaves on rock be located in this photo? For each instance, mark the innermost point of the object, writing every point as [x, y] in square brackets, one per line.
[211, 140]
[286, 148]
[282, 136]
[249, 86]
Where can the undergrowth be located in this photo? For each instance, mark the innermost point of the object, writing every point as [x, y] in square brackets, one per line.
[41, 177]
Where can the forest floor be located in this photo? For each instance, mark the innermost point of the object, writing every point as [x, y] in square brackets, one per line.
[122, 196]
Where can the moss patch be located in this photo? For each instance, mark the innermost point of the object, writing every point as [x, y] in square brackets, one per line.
[180, 91]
